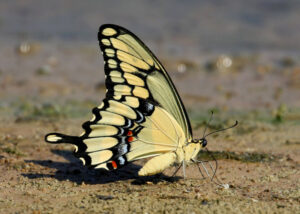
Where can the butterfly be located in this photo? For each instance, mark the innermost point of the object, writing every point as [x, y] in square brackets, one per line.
[142, 115]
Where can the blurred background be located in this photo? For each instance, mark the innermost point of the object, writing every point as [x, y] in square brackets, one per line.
[221, 54]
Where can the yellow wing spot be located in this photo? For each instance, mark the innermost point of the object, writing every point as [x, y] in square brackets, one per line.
[115, 73]
[100, 157]
[112, 63]
[134, 80]
[127, 68]
[111, 119]
[140, 92]
[109, 32]
[117, 79]
[121, 93]
[112, 66]
[101, 166]
[128, 39]
[120, 45]
[105, 42]
[100, 143]
[132, 60]
[100, 106]
[53, 138]
[122, 88]
[102, 130]
[117, 97]
[82, 160]
[122, 109]
[110, 52]
[110, 55]
[93, 118]
[132, 101]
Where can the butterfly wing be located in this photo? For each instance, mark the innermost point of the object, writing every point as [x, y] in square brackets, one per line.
[125, 52]
[142, 115]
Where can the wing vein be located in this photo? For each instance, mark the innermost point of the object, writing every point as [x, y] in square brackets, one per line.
[158, 127]
[132, 48]
[154, 143]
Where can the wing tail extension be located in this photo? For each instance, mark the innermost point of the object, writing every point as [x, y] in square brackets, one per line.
[57, 138]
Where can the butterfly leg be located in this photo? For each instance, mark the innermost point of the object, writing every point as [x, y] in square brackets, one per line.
[158, 164]
[177, 170]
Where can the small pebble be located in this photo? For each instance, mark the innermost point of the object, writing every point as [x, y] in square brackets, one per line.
[226, 186]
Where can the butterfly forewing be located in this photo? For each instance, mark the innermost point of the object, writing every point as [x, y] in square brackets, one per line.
[135, 58]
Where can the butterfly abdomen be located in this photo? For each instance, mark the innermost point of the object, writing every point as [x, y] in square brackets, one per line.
[158, 164]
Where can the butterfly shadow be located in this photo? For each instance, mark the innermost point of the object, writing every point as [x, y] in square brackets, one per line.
[74, 171]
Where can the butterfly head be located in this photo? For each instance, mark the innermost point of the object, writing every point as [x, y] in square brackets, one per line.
[202, 142]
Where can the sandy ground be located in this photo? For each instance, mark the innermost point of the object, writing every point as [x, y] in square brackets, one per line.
[259, 159]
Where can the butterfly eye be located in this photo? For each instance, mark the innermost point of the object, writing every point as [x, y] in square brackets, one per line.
[203, 142]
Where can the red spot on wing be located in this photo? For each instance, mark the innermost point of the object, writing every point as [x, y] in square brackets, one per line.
[129, 133]
[114, 164]
[130, 139]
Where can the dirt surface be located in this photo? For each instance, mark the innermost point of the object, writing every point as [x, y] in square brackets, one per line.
[49, 84]
[39, 178]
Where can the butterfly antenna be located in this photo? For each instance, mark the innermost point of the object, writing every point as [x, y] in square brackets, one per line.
[220, 130]
[212, 112]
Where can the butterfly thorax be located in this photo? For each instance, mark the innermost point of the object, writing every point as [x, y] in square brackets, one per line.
[190, 150]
